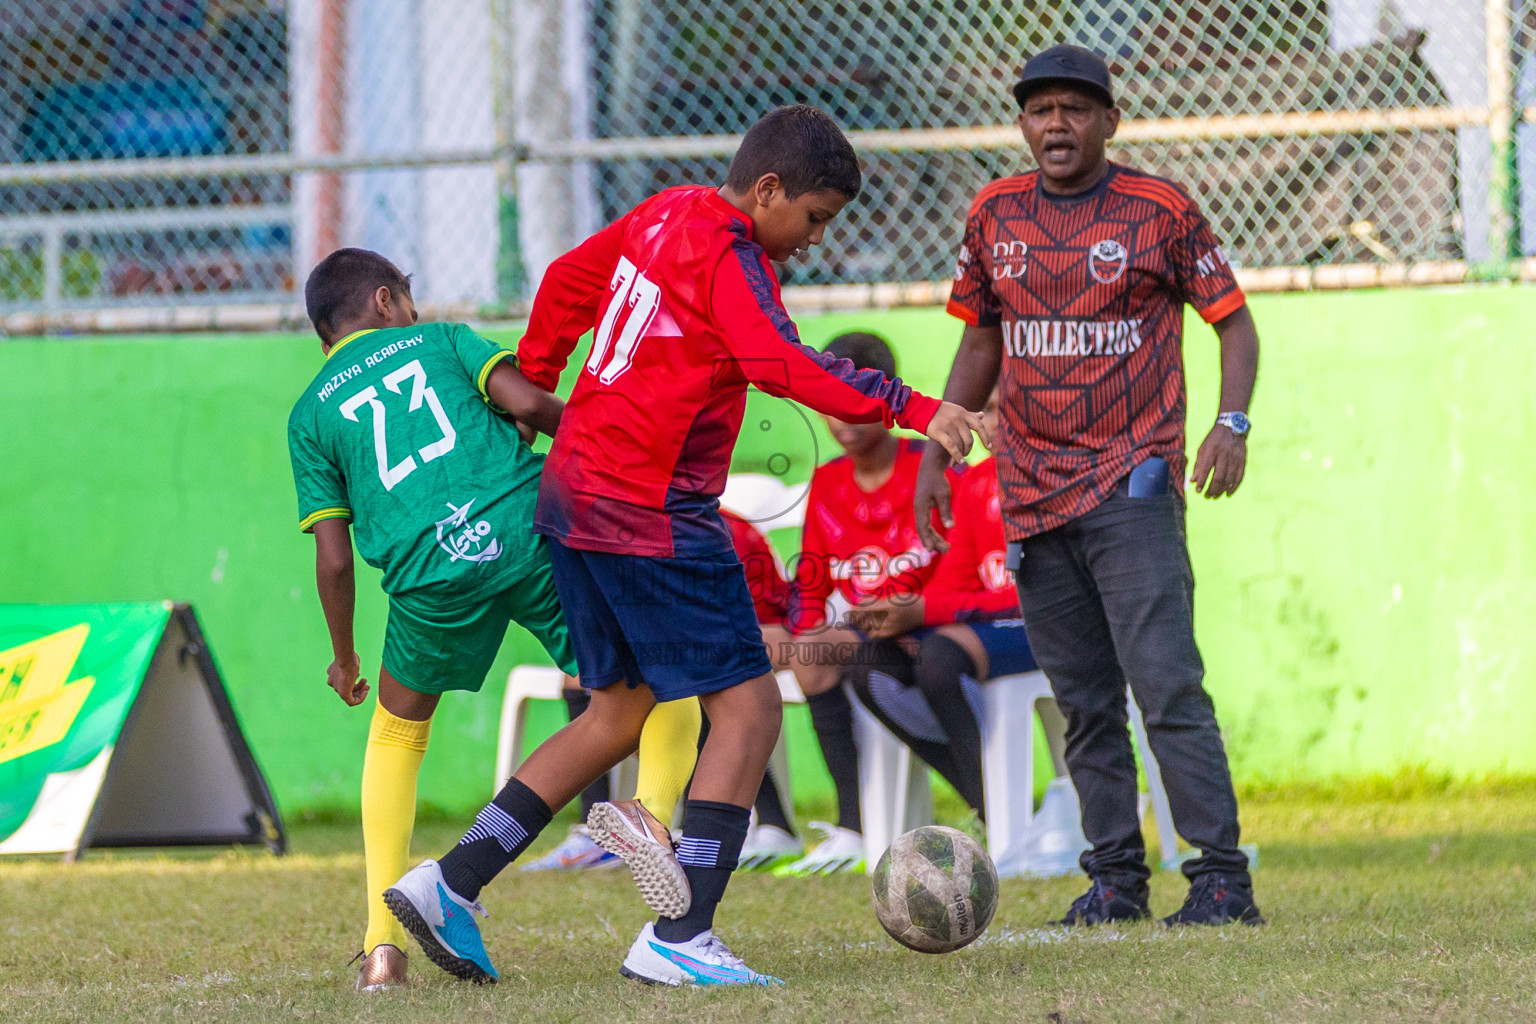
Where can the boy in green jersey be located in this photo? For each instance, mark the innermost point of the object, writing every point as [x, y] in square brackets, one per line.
[407, 438]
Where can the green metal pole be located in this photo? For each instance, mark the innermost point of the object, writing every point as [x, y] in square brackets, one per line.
[1501, 123]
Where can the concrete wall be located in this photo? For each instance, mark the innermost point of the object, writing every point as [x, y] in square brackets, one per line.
[1363, 604]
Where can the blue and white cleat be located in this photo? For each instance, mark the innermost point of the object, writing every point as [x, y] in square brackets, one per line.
[442, 922]
[702, 960]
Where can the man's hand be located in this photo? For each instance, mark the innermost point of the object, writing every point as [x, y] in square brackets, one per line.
[344, 679]
[952, 427]
[1219, 463]
[887, 618]
[932, 494]
[526, 431]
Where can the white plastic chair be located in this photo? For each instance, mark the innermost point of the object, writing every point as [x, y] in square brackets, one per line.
[766, 502]
[541, 682]
[1008, 770]
[895, 795]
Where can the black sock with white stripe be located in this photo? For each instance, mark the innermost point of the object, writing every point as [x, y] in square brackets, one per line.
[503, 829]
[711, 845]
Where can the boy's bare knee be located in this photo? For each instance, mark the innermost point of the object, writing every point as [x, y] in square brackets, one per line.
[621, 710]
[752, 705]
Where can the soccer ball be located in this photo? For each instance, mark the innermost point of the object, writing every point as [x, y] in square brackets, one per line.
[935, 889]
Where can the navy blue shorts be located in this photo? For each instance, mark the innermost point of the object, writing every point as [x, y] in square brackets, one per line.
[682, 626]
[1006, 645]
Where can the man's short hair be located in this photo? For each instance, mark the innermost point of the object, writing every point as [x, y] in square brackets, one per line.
[866, 351]
[804, 147]
[341, 286]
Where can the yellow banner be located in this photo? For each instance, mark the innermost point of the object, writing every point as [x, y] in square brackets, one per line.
[37, 704]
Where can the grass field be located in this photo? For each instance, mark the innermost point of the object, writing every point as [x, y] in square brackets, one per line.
[1407, 909]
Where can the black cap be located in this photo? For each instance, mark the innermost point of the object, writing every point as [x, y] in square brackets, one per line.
[1064, 64]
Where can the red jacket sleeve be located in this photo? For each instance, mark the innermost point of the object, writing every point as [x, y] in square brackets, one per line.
[956, 592]
[811, 580]
[751, 318]
[566, 304]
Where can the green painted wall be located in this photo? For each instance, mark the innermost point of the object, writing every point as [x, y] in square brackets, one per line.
[1362, 603]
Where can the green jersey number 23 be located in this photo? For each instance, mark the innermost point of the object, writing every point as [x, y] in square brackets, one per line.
[390, 475]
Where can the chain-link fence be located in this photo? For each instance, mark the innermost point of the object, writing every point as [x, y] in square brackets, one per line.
[177, 152]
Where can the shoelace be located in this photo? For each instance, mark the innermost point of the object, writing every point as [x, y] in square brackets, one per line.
[1207, 889]
[714, 947]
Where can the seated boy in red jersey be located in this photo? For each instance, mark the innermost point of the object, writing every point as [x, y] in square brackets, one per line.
[687, 313]
[860, 543]
[969, 629]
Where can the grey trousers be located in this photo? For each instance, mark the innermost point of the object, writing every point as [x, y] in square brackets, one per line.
[1108, 599]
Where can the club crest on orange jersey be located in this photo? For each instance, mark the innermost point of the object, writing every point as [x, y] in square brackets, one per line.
[1106, 261]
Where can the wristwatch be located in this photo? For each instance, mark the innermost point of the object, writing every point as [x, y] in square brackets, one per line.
[1236, 422]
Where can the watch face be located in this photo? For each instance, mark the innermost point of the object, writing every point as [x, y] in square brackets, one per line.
[1238, 422]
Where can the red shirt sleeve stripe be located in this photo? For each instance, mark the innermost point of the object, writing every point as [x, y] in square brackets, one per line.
[1223, 307]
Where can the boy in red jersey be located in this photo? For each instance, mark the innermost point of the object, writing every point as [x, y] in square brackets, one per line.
[687, 314]
[860, 543]
[968, 628]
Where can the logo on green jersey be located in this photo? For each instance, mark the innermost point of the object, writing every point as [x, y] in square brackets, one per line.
[461, 539]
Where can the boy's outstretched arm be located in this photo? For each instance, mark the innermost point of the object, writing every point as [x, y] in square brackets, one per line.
[763, 338]
[338, 596]
[515, 394]
[565, 306]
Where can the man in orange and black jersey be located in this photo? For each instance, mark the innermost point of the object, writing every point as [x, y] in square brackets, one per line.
[1072, 281]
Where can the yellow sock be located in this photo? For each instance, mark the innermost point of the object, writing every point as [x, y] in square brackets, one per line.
[669, 746]
[393, 758]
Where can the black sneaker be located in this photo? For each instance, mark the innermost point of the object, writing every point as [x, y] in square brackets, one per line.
[1102, 904]
[1214, 900]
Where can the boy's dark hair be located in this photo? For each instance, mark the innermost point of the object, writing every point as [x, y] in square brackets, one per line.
[341, 285]
[866, 351]
[804, 147]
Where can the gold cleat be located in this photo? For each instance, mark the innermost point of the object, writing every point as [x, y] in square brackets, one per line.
[627, 830]
[382, 969]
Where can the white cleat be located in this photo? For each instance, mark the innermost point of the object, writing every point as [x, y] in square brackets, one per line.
[442, 921]
[768, 847]
[702, 960]
[633, 833]
[842, 849]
